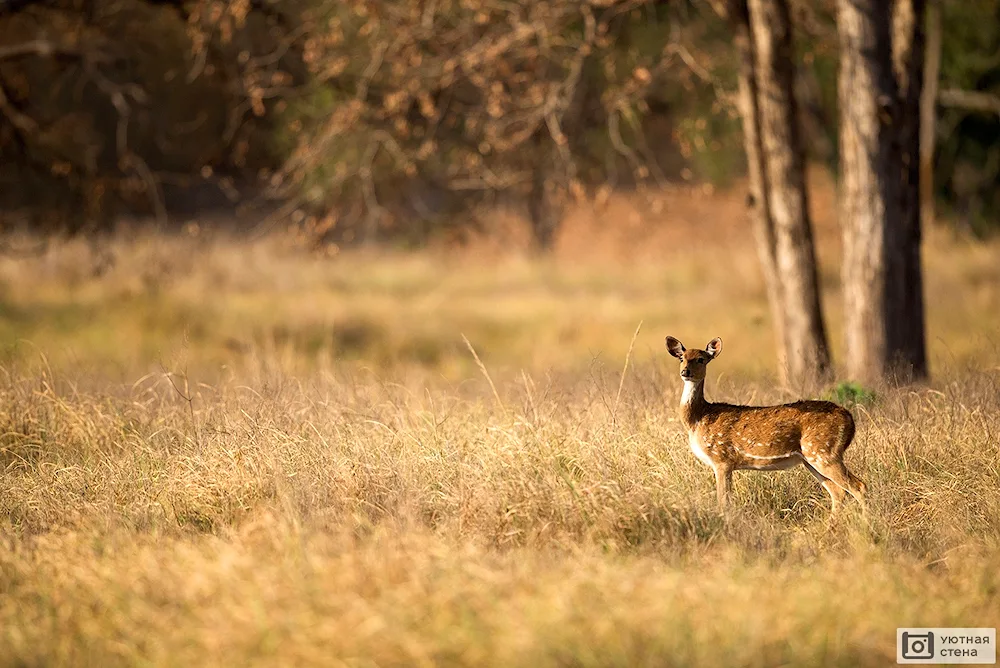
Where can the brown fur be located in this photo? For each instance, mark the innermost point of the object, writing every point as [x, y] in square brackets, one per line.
[728, 437]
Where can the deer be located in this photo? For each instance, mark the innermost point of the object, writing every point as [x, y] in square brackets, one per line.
[728, 437]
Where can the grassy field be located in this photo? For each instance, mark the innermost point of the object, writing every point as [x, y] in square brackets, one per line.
[222, 453]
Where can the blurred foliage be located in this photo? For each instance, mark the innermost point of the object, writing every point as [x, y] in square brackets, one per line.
[849, 394]
[450, 104]
[967, 169]
[371, 119]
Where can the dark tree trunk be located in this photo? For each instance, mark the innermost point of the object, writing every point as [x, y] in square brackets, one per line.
[905, 316]
[545, 204]
[544, 210]
[879, 148]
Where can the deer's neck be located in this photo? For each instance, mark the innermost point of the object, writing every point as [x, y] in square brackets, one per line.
[693, 402]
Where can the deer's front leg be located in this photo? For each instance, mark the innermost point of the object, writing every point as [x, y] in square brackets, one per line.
[723, 484]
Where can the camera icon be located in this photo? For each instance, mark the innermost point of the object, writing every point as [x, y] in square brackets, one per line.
[918, 645]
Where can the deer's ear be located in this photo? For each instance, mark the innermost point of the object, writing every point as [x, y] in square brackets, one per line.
[714, 347]
[675, 347]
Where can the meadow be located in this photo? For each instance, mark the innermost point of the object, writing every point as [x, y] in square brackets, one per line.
[222, 452]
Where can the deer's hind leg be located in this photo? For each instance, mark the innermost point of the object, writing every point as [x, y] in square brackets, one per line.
[833, 469]
[836, 492]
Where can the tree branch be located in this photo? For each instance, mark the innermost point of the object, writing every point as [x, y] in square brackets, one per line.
[970, 100]
[36, 47]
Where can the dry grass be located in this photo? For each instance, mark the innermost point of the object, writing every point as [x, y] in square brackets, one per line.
[227, 454]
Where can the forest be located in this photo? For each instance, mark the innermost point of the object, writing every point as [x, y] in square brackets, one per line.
[370, 120]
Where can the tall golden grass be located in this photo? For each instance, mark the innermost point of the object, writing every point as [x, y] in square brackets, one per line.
[220, 453]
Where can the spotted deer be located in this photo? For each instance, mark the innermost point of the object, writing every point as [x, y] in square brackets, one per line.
[764, 438]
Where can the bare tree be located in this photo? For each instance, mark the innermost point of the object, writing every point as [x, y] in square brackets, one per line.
[778, 196]
[473, 100]
[881, 74]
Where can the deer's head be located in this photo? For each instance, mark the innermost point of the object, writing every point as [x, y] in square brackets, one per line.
[694, 362]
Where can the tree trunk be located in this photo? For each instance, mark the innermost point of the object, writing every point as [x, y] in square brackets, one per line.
[883, 303]
[906, 291]
[544, 211]
[869, 194]
[776, 170]
[807, 352]
[928, 110]
[760, 211]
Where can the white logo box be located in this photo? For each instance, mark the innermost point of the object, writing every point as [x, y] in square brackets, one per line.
[946, 645]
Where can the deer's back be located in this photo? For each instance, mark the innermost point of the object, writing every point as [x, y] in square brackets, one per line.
[773, 430]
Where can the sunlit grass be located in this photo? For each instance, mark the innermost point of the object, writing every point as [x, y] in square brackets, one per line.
[222, 453]
[339, 518]
[219, 305]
